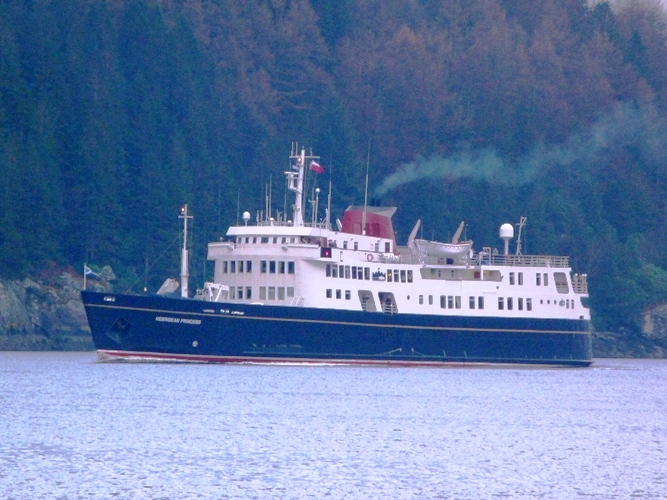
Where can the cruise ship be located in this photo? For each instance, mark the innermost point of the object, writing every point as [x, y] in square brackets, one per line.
[311, 290]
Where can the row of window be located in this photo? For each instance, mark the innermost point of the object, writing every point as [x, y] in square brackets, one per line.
[339, 294]
[510, 303]
[265, 292]
[265, 239]
[542, 279]
[454, 302]
[364, 273]
[265, 266]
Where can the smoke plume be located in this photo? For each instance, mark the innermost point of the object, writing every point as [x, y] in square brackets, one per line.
[626, 126]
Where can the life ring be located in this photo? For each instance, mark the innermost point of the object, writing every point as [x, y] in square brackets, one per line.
[369, 257]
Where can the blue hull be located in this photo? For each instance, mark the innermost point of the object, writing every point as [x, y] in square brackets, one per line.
[155, 327]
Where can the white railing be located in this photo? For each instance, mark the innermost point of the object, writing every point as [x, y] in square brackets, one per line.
[580, 283]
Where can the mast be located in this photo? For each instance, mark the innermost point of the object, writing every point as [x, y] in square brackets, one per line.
[295, 178]
[363, 218]
[184, 252]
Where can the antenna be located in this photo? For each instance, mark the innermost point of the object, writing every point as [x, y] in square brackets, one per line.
[238, 205]
[522, 222]
[184, 252]
[368, 161]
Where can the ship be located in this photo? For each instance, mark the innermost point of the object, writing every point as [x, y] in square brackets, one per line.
[311, 290]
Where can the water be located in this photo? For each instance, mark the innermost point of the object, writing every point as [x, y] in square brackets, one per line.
[75, 428]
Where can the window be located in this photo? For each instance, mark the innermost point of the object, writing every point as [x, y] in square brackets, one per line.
[537, 279]
[560, 279]
[387, 247]
[345, 245]
[232, 266]
[240, 292]
[480, 302]
[457, 302]
[348, 295]
[471, 302]
[272, 293]
[389, 275]
[511, 278]
[240, 266]
[442, 301]
[501, 303]
[510, 303]
[520, 278]
[248, 292]
[354, 272]
[290, 267]
[450, 302]
[529, 304]
[281, 293]
[410, 276]
[356, 245]
[396, 275]
[367, 273]
[290, 291]
[272, 267]
[334, 271]
[262, 293]
[329, 293]
[232, 292]
[402, 275]
[546, 279]
[224, 266]
[347, 272]
[281, 267]
[421, 299]
[328, 271]
[341, 271]
[338, 294]
[360, 273]
[520, 304]
[248, 266]
[262, 266]
[430, 300]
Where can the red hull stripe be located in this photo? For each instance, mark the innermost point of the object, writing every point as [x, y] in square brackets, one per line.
[112, 355]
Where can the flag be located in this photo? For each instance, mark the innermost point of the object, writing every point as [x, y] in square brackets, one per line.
[316, 167]
[88, 271]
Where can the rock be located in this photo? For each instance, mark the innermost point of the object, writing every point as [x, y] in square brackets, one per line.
[655, 322]
[47, 314]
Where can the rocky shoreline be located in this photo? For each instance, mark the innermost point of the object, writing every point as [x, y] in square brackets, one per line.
[46, 314]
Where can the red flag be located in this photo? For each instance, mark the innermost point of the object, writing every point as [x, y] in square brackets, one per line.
[316, 167]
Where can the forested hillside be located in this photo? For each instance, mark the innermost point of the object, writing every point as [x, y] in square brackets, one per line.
[113, 114]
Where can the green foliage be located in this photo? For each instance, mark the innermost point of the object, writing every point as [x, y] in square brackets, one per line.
[113, 114]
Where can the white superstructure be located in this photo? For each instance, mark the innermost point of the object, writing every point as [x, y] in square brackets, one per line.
[359, 267]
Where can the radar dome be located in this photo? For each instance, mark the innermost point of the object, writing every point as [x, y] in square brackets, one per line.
[507, 233]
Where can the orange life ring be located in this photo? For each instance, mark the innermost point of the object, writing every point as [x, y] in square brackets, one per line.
[369, 257]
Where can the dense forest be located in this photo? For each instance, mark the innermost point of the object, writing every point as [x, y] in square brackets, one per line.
[114, 113]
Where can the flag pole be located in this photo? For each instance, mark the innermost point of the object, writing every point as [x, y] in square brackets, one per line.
[84, 276]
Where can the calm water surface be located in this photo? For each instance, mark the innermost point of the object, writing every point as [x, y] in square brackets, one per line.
[75, 428]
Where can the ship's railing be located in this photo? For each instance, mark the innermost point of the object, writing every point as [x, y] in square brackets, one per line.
[297, 301]
[486, 259]
[580, 283]
[288, 223]
[523, 260]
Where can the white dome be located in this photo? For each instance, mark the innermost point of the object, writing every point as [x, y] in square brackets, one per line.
[507, 231]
